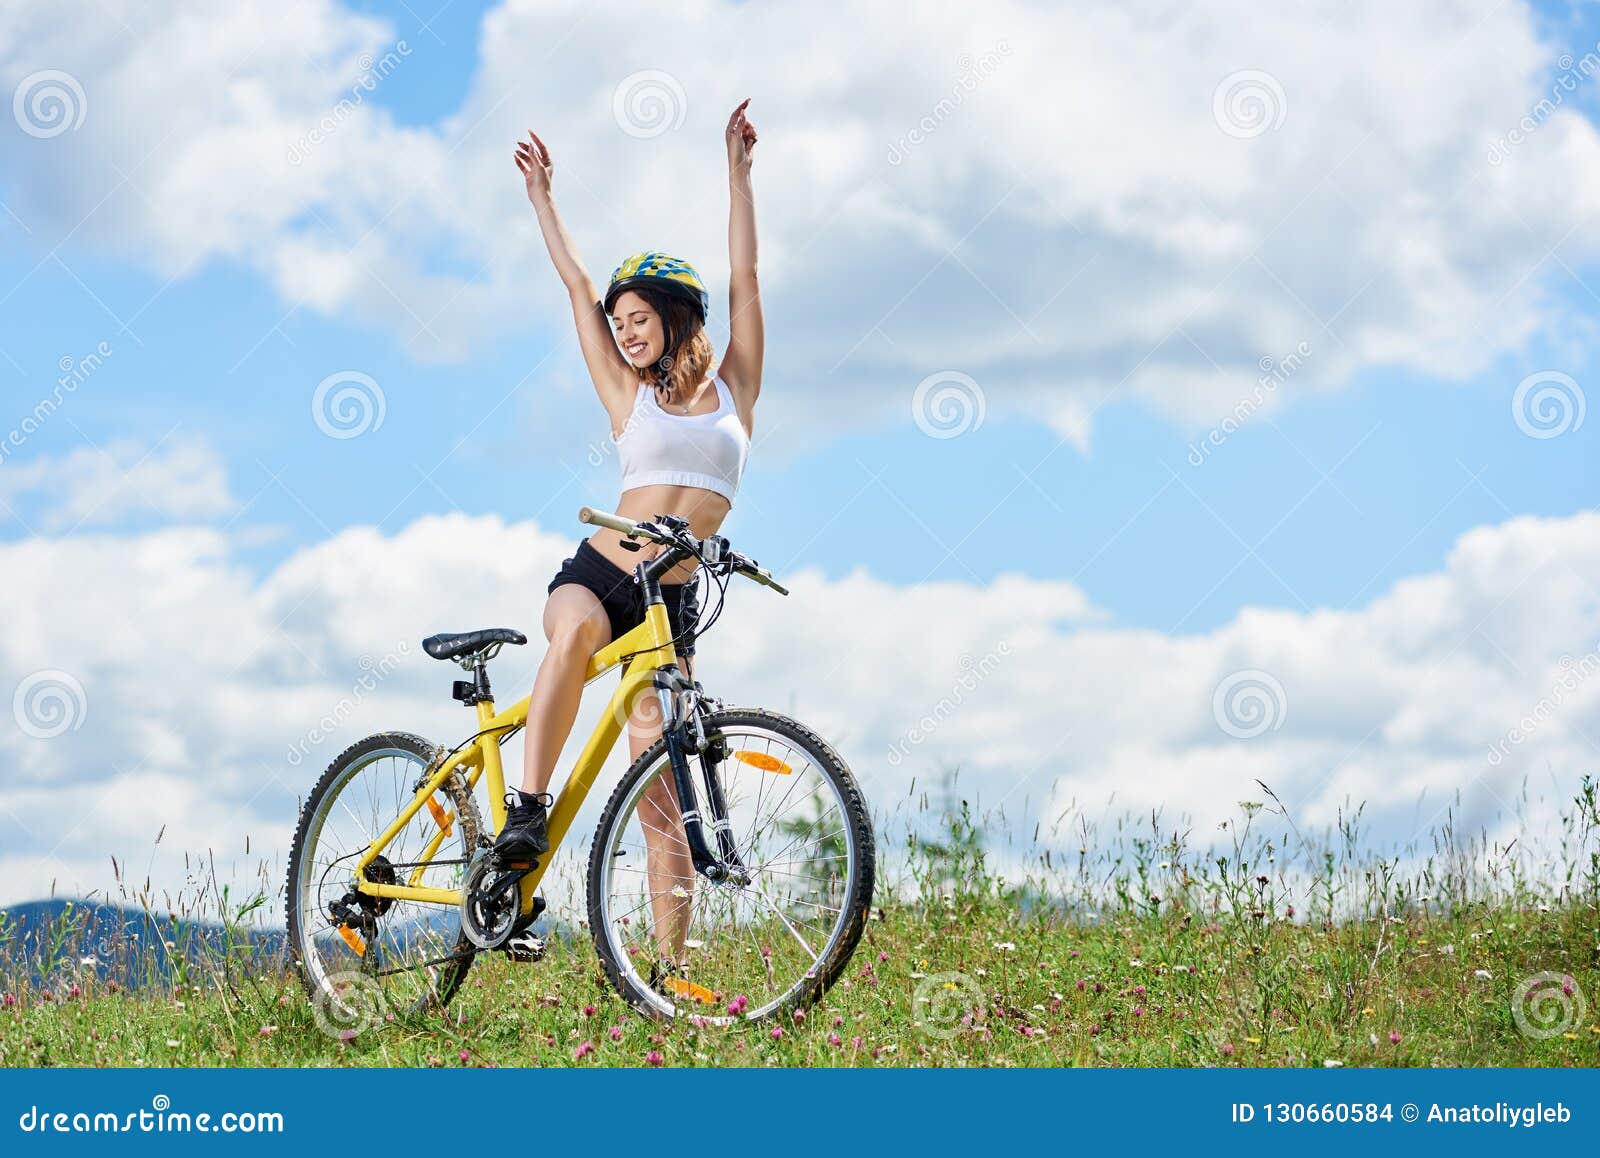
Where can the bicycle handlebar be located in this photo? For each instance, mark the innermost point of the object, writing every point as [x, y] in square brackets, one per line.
[735, 562]
[605, 519]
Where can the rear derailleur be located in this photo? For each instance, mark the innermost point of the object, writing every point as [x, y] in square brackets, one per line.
[359, 912]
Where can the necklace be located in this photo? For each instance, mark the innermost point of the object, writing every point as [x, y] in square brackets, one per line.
[675, 407]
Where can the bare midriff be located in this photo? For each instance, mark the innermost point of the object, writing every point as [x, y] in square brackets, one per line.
[704, 509]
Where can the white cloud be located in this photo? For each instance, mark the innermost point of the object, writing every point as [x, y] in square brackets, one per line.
[1074, 223]
[200, 681]
[180, 478]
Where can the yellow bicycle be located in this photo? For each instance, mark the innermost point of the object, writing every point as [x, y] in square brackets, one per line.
[730, 873]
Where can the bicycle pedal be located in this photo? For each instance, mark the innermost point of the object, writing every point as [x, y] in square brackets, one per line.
[525, 948]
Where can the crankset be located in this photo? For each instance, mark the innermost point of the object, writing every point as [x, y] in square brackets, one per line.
[491, 900]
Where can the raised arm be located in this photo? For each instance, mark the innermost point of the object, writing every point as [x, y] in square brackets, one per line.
[613, 378]
[741, 365]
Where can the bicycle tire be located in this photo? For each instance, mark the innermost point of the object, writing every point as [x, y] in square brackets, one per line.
[856, 905]
[343, 767]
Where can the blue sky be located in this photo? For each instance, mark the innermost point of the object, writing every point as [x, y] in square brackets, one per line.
[1107, 262]
[1410, 463]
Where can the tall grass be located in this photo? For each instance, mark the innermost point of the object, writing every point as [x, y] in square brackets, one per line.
[1120, 940]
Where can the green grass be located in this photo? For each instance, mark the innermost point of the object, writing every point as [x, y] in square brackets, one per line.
[1143, 953]
[1152, 992]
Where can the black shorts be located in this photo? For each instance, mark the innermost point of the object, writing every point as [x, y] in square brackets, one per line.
[621, 597]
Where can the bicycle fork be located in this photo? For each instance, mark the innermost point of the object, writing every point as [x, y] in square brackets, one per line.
[684, 732]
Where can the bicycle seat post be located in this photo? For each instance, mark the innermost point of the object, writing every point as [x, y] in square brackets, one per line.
[476, 662]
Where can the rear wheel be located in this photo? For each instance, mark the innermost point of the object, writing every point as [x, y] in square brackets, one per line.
[384, 955]
[674, 943]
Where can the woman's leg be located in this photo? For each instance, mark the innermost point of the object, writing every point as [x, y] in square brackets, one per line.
[577, 626]
[666, 851]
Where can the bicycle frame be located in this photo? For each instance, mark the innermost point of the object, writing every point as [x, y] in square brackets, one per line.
[651, 644]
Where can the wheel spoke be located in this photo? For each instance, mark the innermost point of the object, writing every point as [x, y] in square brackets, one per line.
[417, 952]
[764, 939]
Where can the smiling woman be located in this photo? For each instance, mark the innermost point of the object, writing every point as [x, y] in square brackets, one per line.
[683, 435]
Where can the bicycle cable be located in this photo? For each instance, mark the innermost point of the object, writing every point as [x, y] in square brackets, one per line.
[694, 630]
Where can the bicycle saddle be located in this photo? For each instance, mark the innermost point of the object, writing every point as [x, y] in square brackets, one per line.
[451, 644]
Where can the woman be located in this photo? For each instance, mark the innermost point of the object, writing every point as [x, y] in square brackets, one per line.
[682, 434]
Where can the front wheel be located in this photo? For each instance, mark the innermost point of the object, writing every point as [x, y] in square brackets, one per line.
[674, 943]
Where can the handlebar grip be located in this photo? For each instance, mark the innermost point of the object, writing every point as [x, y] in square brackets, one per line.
[750, 569]
[606, 519]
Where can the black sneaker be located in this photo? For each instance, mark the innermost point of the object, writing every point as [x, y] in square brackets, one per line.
[524, 835]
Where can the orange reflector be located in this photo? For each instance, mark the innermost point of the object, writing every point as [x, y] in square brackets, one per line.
[764, 762]
[699, 993]
[440, 817]
[353, 939]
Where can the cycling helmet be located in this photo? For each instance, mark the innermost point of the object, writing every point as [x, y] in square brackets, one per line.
[662, 272]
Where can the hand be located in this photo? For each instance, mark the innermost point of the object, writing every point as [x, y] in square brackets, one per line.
[741, 138]
[537, 169]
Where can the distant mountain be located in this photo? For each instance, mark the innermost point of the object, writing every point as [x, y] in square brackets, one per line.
[63, 940]
[56, 942]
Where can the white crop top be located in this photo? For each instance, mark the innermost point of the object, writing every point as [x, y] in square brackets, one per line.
[694, 450]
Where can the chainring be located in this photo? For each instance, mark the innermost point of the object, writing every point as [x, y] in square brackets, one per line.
[491, 901]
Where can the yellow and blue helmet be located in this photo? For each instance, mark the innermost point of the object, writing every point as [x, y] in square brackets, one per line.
[662, 272]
